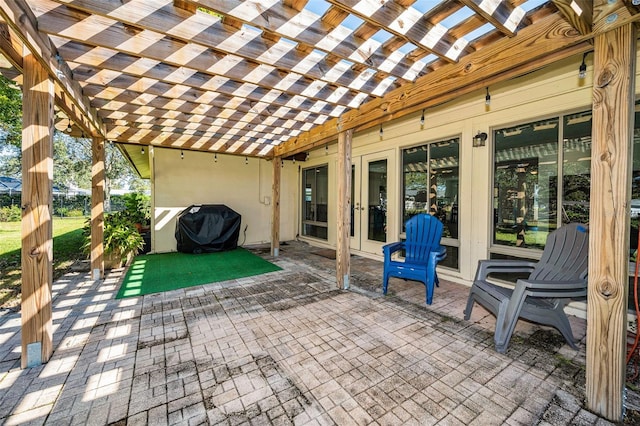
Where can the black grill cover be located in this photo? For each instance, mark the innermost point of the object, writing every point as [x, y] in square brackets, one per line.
[207, 228]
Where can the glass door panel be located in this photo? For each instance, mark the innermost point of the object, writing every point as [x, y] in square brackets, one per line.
[314, 206]
[377, 201]
[373, 202]
[355, 204]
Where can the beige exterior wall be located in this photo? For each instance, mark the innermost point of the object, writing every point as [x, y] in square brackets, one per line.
[545, 93]
[197, 179]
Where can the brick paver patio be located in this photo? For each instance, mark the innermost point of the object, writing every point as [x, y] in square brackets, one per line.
[287, 348]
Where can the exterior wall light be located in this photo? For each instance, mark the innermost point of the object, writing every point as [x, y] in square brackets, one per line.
[480, 139]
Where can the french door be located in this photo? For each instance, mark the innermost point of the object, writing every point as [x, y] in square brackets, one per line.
[369, 201]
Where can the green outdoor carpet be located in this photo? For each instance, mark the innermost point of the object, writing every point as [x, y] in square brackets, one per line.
[155, 273]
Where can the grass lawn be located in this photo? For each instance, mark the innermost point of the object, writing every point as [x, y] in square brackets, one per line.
[67, 243]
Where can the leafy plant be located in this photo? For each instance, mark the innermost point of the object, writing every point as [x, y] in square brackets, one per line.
[137, 208]
[121, 237]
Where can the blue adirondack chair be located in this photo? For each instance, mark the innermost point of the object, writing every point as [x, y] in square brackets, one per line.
[422, 253]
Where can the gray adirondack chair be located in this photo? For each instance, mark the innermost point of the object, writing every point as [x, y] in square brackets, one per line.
[559, 276]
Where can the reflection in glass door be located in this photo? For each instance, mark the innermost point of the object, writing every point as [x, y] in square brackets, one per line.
[315, 187]
[377, 201]
[369, 197]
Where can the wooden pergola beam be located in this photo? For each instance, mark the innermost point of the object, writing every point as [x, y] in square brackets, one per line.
[503, 16]
[37, 212]
[21, 20]
[11, 47]
[611, 173]
[579, 13]
[532, 48]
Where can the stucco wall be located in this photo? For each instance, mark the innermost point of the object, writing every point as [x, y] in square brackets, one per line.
[197, 179]
[545, 93]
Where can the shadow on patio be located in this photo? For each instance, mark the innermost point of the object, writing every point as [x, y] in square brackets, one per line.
[287, 347]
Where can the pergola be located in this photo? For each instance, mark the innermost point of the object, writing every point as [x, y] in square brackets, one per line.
[277, 78]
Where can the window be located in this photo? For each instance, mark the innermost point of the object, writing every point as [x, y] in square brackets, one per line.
[529, 198]
[518, 149]
[315, 187]
[525, 184]
[430, 185]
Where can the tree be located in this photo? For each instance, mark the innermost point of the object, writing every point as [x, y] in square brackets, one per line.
[71, 161]
[71, 156]
[10, 113]
[10, 127]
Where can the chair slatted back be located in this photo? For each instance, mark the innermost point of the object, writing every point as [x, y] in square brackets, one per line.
[423, 233]
[565, 255]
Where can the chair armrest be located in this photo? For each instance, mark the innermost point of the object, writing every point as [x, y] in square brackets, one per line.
[486, 267]
[556, 289]
[440, 253]
[389, 249]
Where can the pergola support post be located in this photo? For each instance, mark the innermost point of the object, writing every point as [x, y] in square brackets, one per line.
[97, 208]
[611, 171]
[275, 208]
[37, 207]
[343, 253]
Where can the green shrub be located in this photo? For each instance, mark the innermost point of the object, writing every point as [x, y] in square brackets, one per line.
[62, 211]
[75, 213]
[10, 214]
[120, 235]
[137, 208]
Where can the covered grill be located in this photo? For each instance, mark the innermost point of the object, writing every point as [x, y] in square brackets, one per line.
[207, 228]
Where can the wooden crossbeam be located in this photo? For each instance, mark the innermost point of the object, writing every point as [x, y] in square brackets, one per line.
[633, 6]
[550, 40]
[189, 34]
[166, 118]
[257, 81]
[20, 18]
[138, 106]
[579, 13]
[408, 23]
[307, 28]
[258, 147]
[499, 13]
[608, 15]
[116, 86]
[145, 134]
[194, 126]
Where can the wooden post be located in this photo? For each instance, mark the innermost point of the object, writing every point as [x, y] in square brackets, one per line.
[275, 208]
[343, 254]
[97, 208]
[37, 225]
[613, 109]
